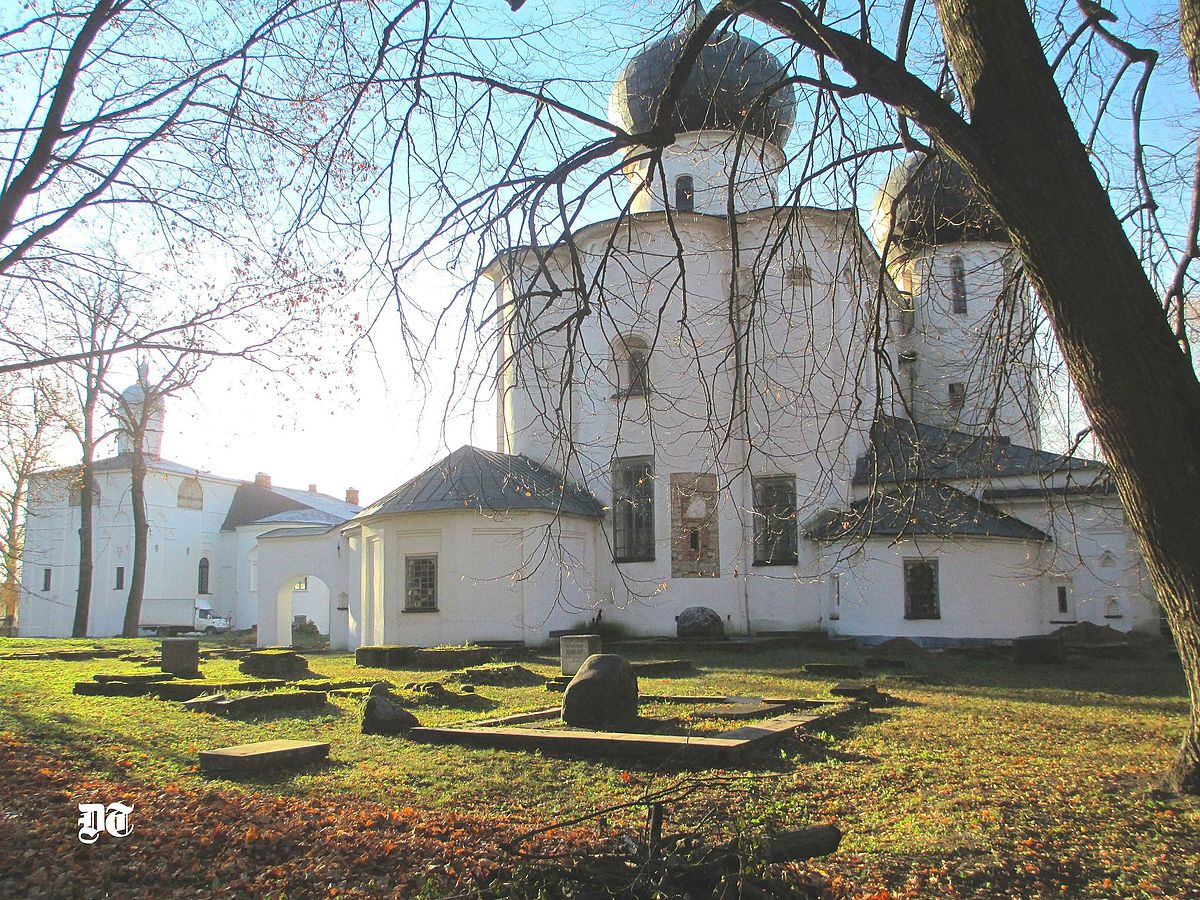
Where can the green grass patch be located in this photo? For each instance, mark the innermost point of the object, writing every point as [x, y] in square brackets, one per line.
[991, 780]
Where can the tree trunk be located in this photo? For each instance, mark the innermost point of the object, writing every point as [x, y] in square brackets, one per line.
[1137, 386]
[141, 535]
[87, 490]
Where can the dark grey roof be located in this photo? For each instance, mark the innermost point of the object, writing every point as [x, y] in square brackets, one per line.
[253, 503]
[735, 83]
[922, 203]
[906, 451]
[925, 507]
[1101, 487]
[470, 478]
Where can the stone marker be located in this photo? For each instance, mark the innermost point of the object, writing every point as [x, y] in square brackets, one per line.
[573, 649]
[262, 756]
[603, 694]
[181, 656]
[383, 714]
[699, 622]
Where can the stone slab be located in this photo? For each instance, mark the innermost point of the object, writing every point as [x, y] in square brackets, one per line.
[186, 690]
[279, 755]
[573, 649]
[724, 748]
[281, 701]
[735, 711]
[139, 678]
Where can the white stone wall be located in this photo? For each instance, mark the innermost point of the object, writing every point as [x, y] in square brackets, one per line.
[178, 539]
[709, 157]
[802, 314]
[988, 349]
[988, 588]
[1096, 556]
[504, 577]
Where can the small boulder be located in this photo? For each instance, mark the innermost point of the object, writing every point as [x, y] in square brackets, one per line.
[699, 622]
[603, 694]
[384, 715]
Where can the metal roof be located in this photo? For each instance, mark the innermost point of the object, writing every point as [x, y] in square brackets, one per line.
[253, 503]
[925, 507]
[735, 83]
[470, 478]
[303, 531]
[906, 451]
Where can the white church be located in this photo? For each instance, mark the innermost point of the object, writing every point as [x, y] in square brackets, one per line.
[718, 400]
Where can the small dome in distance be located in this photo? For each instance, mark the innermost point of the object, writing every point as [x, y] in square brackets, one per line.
[735, 83]
[932, 204]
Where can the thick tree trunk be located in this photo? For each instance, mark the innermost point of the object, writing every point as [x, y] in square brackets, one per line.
[141, 540]
[1137, 386]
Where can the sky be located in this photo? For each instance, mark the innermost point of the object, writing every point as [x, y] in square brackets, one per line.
[377, 426]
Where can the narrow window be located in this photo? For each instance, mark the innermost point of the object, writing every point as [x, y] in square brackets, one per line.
[119, 581]
[958, 394]
[420, 583]
[775, 521]
[301, 584]
[633, 367]
[46, 577]
[921, 589]
[202, 576]
[685, 194]
[1063, 607]
[835, 598]
[958, 285]
[190, 495]
[633, 509]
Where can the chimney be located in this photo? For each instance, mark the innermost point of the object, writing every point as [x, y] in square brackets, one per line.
[262, 479]
[312, 488]
[352, 496]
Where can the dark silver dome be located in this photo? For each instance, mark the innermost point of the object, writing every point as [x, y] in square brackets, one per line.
[730, 75]
[931, 205]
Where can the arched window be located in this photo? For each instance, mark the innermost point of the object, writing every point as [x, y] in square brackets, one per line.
[685, 194]
[958, 285]
[191, 494]
[202, 576]
[633, 366]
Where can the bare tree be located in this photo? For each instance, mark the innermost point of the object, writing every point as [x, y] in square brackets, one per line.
[138, 411]
[31, 419]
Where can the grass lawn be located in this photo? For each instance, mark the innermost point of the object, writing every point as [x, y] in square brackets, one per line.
[990, 780]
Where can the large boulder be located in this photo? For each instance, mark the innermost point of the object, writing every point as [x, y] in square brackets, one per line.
[603, 694]
[699, 622]
[383, 714]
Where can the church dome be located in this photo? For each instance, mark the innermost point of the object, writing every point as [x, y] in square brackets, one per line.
[724, 90]
[931, 205]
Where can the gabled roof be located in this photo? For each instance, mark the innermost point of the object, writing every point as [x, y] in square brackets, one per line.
[470, 478]
[253, 503]
[908, 451]
[921, 507]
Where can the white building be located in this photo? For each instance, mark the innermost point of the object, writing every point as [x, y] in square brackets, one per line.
[719, 401]
[202, 544]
